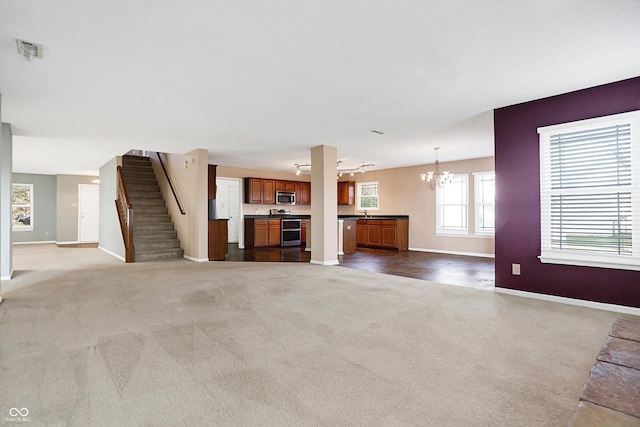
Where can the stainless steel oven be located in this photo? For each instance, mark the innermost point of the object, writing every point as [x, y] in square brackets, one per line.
[290, 232]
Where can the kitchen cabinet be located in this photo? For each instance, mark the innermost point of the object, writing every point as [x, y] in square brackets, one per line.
[388, 233]
[268, 192]
[303, 231]
[361, 233]
[253, 190]
[303, 192]
[383, 233]
[261, 233]
[263, 191]
[346, 193]
[212, 189]
[218, 239]
[274, 232]
[349, 236]
[374, 233]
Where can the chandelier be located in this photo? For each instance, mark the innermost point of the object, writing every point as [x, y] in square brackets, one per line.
[438, 178]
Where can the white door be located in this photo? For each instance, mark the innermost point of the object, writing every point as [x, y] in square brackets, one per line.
[88, 209]
[228, 205]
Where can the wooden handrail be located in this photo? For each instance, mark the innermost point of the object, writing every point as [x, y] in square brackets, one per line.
[173, 190]
[125, 216]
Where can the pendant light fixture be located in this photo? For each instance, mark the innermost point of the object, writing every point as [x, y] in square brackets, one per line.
[437, 178]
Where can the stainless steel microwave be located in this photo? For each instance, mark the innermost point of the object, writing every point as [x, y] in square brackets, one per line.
[285, 198]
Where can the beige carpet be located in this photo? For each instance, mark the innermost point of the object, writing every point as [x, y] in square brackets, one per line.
[182, 343]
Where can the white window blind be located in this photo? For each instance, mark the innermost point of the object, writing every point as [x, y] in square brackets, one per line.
[590, 192]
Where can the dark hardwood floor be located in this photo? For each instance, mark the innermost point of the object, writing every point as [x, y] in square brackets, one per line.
[473, 272]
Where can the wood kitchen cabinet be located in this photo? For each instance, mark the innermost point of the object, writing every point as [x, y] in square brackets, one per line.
[218, 239]
[268, 191]
[261, 233]
[253, 190]
[212, 187]
[303, 231]
[303, 192]
[385, 233]
[349, 231]
[263, 191]
[274, 232]
[374, 233]
[346, 193]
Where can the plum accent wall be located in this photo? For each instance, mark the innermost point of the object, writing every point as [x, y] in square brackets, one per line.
[518, 196]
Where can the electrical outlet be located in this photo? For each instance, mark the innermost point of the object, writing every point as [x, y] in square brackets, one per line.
[515, 269]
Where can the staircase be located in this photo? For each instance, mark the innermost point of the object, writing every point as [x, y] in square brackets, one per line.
[153, 233]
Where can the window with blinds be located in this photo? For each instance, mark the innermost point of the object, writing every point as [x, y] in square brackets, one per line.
[589, 192]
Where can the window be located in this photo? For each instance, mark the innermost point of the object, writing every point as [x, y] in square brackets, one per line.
[451, 206]
[590, 192]
[368, 198]
[485, 199]
[22, 207]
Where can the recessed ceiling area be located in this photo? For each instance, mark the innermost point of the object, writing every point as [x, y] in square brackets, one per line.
[260, 83]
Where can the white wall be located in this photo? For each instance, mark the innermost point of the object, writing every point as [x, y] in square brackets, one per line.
[6, 169]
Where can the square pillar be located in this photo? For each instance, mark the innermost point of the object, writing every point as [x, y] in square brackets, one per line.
[324, 205]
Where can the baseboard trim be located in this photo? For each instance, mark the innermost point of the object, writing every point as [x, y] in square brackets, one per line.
[7, 277]
[478, 254]
[112, 254]
[35, 242]
[190, 258]
[71, 242]
[334, 262]
[571, 301]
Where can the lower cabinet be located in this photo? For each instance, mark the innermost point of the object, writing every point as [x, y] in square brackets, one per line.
[218, 239]
[261, 233]
[383, 233]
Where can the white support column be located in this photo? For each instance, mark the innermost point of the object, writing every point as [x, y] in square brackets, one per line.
[324, 206]
[6, 171]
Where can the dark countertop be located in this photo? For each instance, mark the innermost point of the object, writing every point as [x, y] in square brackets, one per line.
[346, 217]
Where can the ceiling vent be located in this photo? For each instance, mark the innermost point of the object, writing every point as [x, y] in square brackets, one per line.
[29, 50]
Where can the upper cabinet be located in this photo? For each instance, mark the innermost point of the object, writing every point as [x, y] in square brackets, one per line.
[212, 189]
[263, 190]
[346, 192]
[268, 191]
[303, 192]
[253, 190]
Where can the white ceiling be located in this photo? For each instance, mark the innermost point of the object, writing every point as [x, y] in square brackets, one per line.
[258, 83]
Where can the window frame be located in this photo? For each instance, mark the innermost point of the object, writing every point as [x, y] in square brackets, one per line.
[580, 257]
[359, 186]
[30, 206]
[440, 231]
[477, 178]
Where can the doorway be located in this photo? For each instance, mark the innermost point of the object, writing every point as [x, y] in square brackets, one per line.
[88, 212]
[228, 205]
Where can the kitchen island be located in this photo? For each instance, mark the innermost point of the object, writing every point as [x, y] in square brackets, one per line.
[371, 231]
